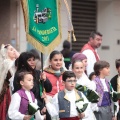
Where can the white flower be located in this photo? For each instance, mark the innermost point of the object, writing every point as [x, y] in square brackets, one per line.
[79, 104]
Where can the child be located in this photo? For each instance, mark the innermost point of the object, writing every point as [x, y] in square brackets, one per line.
[115, 82]
[54, 72]
[18, 108]
[92, 76]
[80, 57]
[82, 79]
[64, 102]
[103, 109]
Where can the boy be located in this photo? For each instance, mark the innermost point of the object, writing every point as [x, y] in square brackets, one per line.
[18, 109]
[64, 102]
[103, 109]
[115, 82]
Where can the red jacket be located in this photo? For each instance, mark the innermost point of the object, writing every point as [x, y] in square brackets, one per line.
[56, 83]
[88, 46]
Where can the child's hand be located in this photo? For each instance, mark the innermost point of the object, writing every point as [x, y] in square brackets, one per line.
[17, 54]
[43, 76]
[27, 117]
[114, 118]
[44, 117]
[81, 115]
[44, 97]
[43, 111]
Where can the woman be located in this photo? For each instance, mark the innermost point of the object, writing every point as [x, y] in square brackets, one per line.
[37, 59]
[8, 54]
[26, 62]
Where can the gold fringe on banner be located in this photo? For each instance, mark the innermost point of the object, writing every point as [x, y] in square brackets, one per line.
[69, 35]
[74, 38]
[32, 40]
[69, 16]
[42, 48]
[25, 11]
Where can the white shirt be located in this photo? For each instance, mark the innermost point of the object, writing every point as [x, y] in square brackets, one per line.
[53, 108]
[13, 111]
[104, 84]
[83, 80]
[90, 60]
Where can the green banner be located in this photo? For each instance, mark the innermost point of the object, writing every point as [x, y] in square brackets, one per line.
[42, 23]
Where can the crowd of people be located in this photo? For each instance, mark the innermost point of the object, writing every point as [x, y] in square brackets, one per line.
[72, 85]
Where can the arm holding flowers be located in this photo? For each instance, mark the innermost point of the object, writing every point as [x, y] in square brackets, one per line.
[88, 109]
[115, 109]
[53, 108]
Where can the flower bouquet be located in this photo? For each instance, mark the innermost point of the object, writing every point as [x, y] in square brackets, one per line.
[115, 96]
[80, 105]
[91, 95]
[32, 108]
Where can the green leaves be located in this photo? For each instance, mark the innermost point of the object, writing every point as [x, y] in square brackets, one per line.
[80, 105]
[91, 95]
[115, 96]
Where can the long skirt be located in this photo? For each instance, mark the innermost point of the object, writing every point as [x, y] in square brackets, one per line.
[4, 105]
[104, 113]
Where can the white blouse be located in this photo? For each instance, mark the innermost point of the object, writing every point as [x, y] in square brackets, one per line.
[83, 80]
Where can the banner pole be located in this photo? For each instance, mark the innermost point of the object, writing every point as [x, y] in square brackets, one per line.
[41, 62]
[42, 81]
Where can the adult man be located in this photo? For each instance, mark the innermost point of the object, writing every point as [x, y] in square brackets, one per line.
[90, 50]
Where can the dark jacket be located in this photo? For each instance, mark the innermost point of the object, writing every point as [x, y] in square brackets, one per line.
[114, 82]
[67, 57]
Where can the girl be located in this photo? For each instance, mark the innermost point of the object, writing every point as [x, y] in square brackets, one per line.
[82, 79]
[8, 54]
[54, 72]
[78, 69]
[103, 109]
[26, 62]
[81, 57]
[18, 108]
